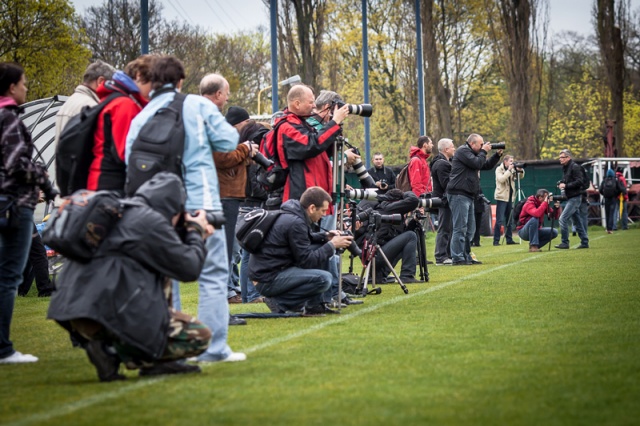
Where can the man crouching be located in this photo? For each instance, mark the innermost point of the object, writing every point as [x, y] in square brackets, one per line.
[117, 305]
[291, 267]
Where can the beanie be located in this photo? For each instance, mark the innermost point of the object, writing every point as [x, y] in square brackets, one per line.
[236, 115]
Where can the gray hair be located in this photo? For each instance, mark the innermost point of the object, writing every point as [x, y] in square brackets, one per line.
[327, 97]
[444, 143]
[566, 152]
[211, 84]
[473, 137]
[96, 70]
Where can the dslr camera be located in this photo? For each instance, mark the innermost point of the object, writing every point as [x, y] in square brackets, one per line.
[215, 219]
[363, 110]
[556, 197]
[429, 203]
[363, 175]
[262, 161]
[498, 145]
[353, 247]
[519, 165]
[362, 194]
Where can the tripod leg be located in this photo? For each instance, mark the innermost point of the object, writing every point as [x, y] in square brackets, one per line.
[402, 286]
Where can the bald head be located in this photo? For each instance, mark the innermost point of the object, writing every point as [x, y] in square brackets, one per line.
[215, 88]
[300, 100]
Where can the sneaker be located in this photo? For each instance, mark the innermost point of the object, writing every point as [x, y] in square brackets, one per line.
[350, 301]
[18, 358]
[583, 246]
[237, 321]
[446, 262]
[257, 300]
[173, 367]
[233, 357]
[475, 262]
[534, 249]
[335, 305]
[562, 246]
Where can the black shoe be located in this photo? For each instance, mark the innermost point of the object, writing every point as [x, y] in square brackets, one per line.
[429, 262]
[236, 321]
[464, 262]
[510, 243]
[107, 364]
[317, 311]
[349, 301]
[583, 246]
[562, 246]
[273, 306]
[475, 262]
[173, 367]
[496, 244]
[411, 280]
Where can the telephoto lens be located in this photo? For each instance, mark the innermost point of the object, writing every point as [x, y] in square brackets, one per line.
[365, 178]
[215, 219]
[498, 145]
[362, 194]
[262, 161]
[430, 203]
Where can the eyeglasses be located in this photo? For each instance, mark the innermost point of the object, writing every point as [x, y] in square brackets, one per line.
[563, 156]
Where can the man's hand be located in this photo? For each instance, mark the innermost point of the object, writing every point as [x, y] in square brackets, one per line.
[200, 219]
[562, 186]
[486, 147]
[339, 114]
[352, 157]
[340, 241]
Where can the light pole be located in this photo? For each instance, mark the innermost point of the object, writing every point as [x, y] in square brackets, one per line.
[291, 80]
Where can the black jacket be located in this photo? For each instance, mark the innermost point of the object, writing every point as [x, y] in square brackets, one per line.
[386, 232]
[573, 178]
[122, 286]
[384, 173]
[440, 171]
[289, 244]
[464, 178]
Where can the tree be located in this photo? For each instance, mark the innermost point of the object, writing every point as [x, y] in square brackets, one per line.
[610, 21]
[44, 37]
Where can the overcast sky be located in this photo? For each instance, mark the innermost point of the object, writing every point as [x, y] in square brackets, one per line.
[229, 16]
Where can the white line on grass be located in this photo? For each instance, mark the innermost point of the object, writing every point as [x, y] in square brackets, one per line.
[102, 397]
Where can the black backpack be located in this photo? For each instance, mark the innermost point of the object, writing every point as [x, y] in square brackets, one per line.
[159, 146]
[74, 152]
[517, 209]
[253, 228]
[610, 187]
[586, 180]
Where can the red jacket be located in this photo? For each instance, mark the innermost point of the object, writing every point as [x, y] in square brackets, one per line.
[535, 208]
[108, 170]
[303, 150]
[621, 178]
[419, 172]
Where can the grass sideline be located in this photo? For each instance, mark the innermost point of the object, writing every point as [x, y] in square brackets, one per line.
[526, 338]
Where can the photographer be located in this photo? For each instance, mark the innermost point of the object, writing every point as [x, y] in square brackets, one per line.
[116, 304]
[395, 240]
[571, 186]
[505, 193]
[531, 219]
[383, 176]
[440, 170]
[464, 185]
[20, 178]
[288, 270]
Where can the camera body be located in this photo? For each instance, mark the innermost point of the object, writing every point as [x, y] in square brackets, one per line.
[215, 219]
[562, 191]
[262, 161]
[556, 197]
[519, 165]
[353, 247]
[484, 199]
[383, 184]
[498, 145]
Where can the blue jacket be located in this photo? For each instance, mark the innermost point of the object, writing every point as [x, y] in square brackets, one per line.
[206, 130]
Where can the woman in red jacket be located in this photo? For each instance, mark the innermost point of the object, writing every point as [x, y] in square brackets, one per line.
[108, 170]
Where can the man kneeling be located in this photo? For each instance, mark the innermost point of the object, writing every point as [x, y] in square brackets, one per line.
[532, 218]
[289, 269]
[117, 305]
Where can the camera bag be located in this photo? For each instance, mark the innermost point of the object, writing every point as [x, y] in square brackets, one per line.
[253, 227]
[159, 146]
[275, 176]
[82, 222]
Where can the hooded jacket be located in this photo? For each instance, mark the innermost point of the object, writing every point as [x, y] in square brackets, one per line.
[288, 244]
[419, 172]
[122, 286]
[108, 170]
[535, 208]
[440, 167]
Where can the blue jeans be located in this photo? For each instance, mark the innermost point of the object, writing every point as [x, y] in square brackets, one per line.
[464, 226]
[576, 210]
[294, 288]
[535, 235]
[616, 214]
[247, 288]
[503, 212]
[213, 308]
[15, 243]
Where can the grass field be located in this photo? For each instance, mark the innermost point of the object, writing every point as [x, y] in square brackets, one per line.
[547, 338]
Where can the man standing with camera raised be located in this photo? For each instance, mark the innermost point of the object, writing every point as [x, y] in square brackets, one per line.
[506, 175]
[572, 184]
[464, 184]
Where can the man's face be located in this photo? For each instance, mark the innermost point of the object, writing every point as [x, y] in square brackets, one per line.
[564, 158]
[305, 105]
[315, 213]
[324, 112]
[450, 150]
[508, 162]
[477, 144]
[222, 96]
[427, 147]
[378, 161]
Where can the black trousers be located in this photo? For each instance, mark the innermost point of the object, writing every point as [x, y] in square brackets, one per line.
[37, 268]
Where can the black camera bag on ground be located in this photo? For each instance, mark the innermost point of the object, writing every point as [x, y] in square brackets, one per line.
[253, 227]
[517, 209]
[159, 146]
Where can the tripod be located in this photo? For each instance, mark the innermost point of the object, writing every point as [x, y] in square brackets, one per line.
[416, 226]
[519, 196]
[371, 247]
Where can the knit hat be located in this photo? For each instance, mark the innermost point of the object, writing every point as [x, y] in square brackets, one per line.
[236, 115]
